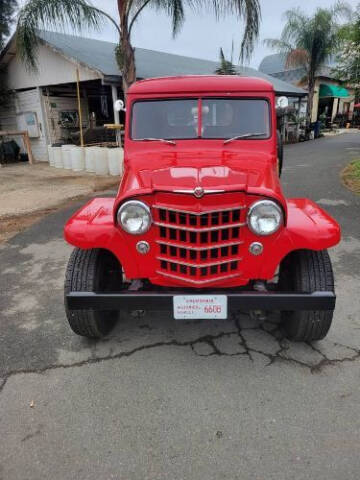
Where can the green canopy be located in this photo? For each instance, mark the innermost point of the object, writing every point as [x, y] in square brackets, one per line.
[333, 91]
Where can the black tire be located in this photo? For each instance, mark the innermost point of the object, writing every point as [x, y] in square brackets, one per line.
[307, 271]
[89, 271]
[280, 151]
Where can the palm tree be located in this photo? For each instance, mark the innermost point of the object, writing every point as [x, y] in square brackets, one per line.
[79, 14]
[226, 67]
[307, 41]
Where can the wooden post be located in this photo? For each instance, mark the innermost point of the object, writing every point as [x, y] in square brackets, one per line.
[28, 147]
[79, 105]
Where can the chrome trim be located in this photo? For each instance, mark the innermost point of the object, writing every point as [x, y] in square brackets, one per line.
[192, 192]
[267, 202]
[199, 265]
[139, 203]
[198, 282]
[199, 249]
[241, 207]
[206, 229]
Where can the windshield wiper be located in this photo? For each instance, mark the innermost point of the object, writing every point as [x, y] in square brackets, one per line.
[245, 135]
[170, 142]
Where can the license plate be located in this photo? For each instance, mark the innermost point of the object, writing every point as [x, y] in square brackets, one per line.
[195, 307]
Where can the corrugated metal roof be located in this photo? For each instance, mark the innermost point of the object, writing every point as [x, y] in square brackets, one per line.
[272, 63]
[99, 56]
[275, 63]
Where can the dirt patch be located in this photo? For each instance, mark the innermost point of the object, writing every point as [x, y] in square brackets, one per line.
[28, 193]
[351, 176]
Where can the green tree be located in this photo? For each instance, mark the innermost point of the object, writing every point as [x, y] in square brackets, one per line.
[79, 14]
[307, 41]
[7, 10]
[226, 67]
[348, 58]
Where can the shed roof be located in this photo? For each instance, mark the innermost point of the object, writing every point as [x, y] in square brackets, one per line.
[272, 63]
[99, 56]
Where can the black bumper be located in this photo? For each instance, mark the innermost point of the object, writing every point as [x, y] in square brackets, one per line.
[163, 300]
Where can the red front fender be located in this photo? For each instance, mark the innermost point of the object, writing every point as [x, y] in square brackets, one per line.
[307, 227]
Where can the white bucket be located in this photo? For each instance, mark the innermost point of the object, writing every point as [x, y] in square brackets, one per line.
[116, 161]
[58, 163]
[90, 153]
[77, 159]
[101, 162]
[66, 156]
[51, 156]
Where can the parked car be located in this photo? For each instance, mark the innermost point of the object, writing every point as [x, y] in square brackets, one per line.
[200, 225]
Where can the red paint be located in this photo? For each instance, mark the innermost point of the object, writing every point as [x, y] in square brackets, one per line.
[244, 170]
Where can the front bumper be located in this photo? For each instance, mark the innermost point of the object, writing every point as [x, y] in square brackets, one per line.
[237, 301]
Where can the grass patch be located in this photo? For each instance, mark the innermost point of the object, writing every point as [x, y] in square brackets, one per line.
[351, 176]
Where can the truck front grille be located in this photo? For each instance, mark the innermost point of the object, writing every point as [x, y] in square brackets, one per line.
[199, 247]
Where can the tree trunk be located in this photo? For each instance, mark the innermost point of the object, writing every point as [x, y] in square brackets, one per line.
[125, 52]
[311, 88]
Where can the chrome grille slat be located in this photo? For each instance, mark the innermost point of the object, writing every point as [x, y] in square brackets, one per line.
[199, 247]
[198, 282]
[163, 207]
[199, 265]
[199, 230]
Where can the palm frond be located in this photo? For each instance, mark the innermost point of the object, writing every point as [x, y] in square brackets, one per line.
[247, 10]
[53, 14]
[226, 67]
[278, 45]
[341, 10]
[174, 9]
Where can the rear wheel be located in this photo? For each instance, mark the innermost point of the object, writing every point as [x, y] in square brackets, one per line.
[89, 271]
[307, 271]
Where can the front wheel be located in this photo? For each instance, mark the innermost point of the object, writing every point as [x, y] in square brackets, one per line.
[92, 270]
[307, 271]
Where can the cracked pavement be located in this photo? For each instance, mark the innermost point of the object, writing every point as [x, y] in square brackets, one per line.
[160, 399]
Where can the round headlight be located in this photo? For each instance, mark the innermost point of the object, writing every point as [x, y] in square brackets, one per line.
[265, 217]
[134, 217]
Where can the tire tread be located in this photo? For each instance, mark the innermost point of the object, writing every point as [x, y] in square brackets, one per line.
[310, 271]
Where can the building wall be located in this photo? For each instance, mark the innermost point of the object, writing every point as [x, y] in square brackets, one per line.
[10, 119]
[29, 101]
[53, 106]
[8, 115]
[53, 69]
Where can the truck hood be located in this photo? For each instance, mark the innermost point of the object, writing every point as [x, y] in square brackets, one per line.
[184, 172]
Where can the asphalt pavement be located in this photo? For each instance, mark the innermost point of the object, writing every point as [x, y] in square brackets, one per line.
[160, 399]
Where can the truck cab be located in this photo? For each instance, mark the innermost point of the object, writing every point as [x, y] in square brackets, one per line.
[200, 225]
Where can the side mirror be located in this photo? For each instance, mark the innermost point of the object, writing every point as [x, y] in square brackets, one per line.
[282, 102]
[119, 106]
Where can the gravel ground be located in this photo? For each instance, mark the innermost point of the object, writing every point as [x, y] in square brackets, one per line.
[28, 192]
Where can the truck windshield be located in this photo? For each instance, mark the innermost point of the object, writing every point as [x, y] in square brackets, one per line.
[219, 119]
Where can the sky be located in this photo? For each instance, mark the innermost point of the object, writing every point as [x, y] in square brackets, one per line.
[202, 36]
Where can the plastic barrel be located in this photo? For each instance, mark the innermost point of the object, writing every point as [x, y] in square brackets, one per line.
[51, 156]
[90, 159]
[77, 159]
[101, 162]
[58, 163]
[66, 156]
[115, 160]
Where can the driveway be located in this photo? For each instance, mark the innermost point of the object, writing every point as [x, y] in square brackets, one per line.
[180, 401]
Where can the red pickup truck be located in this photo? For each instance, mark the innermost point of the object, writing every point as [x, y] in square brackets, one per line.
[200, 225]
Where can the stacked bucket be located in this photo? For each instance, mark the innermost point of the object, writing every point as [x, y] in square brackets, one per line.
[98, 160]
